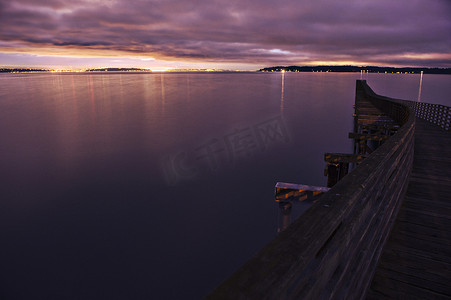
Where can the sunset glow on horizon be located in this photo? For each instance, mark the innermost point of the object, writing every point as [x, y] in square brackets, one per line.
[226, 35]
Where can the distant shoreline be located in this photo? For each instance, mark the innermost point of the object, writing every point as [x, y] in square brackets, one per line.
[41, 70]
[338, 69]
[355, 69]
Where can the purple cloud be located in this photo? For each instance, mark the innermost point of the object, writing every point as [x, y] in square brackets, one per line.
[403, 32]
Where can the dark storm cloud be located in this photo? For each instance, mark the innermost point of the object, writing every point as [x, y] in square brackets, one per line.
[407, 32]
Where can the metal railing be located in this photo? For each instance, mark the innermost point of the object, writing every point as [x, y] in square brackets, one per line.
[437, 114]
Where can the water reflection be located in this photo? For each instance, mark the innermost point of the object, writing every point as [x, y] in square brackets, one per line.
[421, 84]
[86, 193]
[93, 101]
[121, 86]
[163, 97]
[363, 74]
[282, 92]
[188, 90]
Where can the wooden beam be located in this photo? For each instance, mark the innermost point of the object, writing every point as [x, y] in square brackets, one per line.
[393, 128]
[375, 122]
[285, 192]
[373, 116]
[343, 158]
[368, 137]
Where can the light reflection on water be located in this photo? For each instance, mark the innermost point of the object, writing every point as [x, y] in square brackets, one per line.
[86, 209]
[421, 85]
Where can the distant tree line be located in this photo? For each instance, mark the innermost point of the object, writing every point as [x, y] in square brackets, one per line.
[21, 70]
[369, 69]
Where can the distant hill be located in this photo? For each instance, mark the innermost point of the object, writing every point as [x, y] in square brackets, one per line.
[370, 69]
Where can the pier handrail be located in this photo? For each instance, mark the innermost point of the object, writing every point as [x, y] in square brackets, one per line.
[437, 114]
[332, 250]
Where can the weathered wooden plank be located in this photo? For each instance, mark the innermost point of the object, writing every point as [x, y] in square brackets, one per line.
[424, 233]
[368, 137]
[422, 241]
[434, 265]
[374, 122]
[434, 158]
[440, 185]
[433, 274]
[381, 234]
[423, 219]
[428, 206]
[405, 249]
[423, 202]
[394, 288]
[378, 117]
[377, 295]
[437, 215]
[417, 258]
[390, 128]
[343, 158]
[303, 187]
[393, 272]
[415, 221]
[427, 192]
[438, 169]
[297, 192]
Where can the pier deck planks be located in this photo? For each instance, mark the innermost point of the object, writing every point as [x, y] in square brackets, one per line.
[416, 261]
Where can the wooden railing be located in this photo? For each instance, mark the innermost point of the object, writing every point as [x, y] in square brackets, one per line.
[331, 251]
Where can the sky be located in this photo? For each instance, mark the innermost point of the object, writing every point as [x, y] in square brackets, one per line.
[224, 34]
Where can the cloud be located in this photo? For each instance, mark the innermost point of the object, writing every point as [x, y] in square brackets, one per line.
[403, 32]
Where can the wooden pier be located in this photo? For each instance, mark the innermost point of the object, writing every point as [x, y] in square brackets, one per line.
[416, 261]
[382, 231]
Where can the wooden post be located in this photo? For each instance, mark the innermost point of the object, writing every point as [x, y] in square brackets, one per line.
[332, 174]
[343, 170]
[285, 212]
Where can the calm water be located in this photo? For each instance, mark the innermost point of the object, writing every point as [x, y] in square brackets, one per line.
[159, 186]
